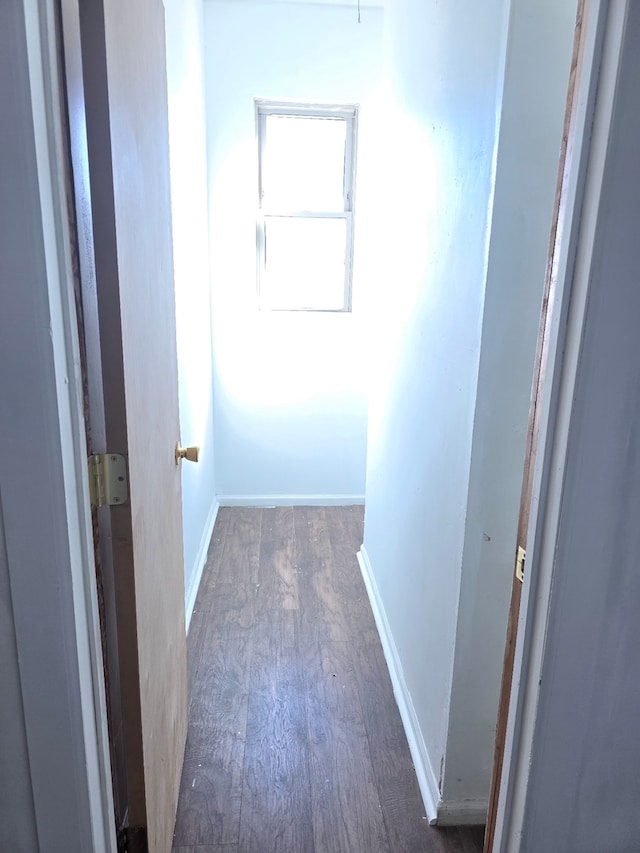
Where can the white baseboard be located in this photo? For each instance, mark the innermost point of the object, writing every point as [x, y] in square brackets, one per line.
[290, 500]
[427, 779]
[463, 813]
[201, 559]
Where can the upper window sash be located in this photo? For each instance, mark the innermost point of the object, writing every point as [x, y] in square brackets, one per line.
[346, 113]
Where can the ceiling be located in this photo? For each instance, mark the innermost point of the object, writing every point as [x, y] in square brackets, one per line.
[363, 3]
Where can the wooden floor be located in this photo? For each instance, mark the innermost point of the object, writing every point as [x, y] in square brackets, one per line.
[295, 741]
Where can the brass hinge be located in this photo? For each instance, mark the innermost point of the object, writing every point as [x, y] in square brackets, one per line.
[520, 558]
[108, 479]
[133, 839]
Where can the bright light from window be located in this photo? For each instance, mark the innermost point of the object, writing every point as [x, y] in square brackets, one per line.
[305, 220]
[303, 164]
[304, 263]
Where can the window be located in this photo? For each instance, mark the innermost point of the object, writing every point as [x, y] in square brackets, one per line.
[305, 215]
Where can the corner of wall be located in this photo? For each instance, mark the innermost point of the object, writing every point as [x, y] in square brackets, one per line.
[471, 812]
[195, 574]
[464, 812]
[427, 779]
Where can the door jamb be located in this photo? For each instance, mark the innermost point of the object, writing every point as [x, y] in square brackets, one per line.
[85, 667]
[581, 188]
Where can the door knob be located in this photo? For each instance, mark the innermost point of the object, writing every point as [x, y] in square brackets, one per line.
[191, 454]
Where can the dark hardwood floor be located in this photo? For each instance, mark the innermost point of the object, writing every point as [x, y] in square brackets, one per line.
[295, 742]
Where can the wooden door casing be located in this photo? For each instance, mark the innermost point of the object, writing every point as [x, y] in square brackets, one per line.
[531, 446]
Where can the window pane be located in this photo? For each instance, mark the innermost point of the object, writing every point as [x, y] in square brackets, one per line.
[304, 263]
[303, 164]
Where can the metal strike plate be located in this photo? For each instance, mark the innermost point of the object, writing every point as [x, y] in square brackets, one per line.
[520, 558]
[108, 479]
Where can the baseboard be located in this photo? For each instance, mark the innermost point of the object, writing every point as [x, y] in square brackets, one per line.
[290, 500]
[201, 559]
[427, 779]
[463, 813]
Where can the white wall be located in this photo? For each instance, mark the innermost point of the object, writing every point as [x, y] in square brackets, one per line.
[537, 74]
[290, 388]
[187, 138]
[445, 446]
[444, 65]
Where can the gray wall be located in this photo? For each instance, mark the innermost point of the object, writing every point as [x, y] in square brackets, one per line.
[17, 818]
[584, 787]
[50, 758]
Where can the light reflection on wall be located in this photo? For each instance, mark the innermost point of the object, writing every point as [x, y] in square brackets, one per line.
[289, 387]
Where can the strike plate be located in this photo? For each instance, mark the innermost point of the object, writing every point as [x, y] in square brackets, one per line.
[520, 563]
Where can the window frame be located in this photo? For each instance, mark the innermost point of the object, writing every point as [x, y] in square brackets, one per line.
[349, 114]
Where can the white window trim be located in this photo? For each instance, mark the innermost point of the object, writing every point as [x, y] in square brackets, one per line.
[347, 112]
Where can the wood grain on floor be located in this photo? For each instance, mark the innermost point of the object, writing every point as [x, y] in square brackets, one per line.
[295, 741]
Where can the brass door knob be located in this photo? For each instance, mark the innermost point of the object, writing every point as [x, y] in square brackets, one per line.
[191, 454]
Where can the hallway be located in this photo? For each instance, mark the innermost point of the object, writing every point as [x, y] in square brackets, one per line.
[295, 742]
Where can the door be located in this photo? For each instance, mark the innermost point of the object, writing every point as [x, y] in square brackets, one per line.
[532, 440]
[114, 58]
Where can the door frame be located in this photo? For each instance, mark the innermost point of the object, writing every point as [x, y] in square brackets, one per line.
[62, 406]
[581, 187]
[44, 471]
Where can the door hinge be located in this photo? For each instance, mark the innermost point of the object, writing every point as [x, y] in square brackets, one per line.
[133, 839]
[520, 558]
[108, 479]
